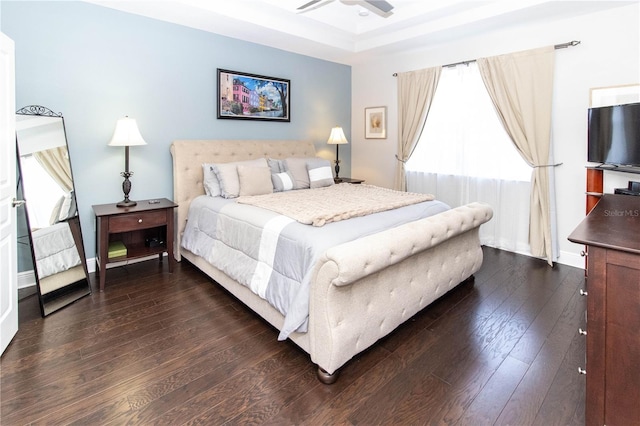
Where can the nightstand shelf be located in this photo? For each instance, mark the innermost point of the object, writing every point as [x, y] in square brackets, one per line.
[145, 229]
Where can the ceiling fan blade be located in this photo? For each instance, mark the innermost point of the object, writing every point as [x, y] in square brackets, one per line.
[311, 3]
[382, 5]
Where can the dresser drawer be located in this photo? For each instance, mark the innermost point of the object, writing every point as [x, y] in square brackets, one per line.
[133, 221]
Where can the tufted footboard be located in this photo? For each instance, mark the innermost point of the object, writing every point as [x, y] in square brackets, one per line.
[366, 288]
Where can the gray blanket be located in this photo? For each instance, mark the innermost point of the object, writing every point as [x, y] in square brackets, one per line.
[273, 254]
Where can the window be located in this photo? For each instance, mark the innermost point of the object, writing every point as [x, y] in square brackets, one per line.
[43, 188]
[463, 135]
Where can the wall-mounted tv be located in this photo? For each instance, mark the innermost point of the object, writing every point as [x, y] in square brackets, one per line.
[614, 135]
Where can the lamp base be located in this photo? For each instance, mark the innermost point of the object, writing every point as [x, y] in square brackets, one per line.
[126, 203]
[126, 187]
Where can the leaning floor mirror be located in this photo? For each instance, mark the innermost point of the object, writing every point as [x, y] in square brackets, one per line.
[55, 237]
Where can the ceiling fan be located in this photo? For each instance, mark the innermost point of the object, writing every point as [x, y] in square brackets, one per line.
[380, 7]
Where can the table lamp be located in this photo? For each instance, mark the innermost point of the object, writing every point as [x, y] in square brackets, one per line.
[337, 138]
[126, 134]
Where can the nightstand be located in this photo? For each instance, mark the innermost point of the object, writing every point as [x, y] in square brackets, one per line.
[348, 180]
[142, 230]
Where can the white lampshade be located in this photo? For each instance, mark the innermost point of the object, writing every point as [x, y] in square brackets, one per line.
[126, 133]
[337, 137]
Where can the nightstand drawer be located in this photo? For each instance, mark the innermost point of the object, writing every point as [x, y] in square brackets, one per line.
[133, 221]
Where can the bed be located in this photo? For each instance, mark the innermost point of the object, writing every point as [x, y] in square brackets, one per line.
[359, 290]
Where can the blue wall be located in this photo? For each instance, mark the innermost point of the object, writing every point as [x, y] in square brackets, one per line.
[95, 65]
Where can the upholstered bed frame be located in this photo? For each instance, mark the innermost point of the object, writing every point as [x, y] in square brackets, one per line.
[362, 290]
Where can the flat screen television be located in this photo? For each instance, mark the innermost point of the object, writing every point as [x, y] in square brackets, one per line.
[614, 135]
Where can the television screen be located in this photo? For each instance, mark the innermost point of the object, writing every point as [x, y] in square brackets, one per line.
[614, 135]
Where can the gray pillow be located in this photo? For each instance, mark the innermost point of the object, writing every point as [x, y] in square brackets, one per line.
[282, 181]
[276, 166]
[298, 168]
[320, 173]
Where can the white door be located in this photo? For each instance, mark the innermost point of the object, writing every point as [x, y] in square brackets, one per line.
[8, 249]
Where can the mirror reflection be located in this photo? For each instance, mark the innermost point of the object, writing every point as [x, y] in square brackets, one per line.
[51, 209]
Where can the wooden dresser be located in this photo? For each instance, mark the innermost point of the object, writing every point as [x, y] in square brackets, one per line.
[611, 233]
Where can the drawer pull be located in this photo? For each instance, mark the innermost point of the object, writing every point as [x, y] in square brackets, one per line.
[583, 332]
[582, 371]
[583, 293]
[139, 220]
[583, 253]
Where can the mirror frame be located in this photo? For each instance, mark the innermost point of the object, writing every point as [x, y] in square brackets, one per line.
[68, 293]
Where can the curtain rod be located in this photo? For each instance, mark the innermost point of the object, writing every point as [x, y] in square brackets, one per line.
[557, 46]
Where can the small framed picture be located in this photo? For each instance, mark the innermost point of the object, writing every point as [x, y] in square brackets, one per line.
[375, 123]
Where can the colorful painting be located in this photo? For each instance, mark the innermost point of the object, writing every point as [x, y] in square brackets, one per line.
[252, 97]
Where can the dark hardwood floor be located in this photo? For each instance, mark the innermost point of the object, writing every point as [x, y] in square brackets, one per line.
[160, 348]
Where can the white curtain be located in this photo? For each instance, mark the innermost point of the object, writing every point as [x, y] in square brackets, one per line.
[464, 155]
[509, 227]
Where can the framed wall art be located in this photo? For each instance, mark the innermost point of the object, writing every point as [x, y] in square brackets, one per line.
[243, 96]
[375, 122]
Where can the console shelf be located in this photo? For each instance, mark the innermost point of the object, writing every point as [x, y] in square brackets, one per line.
[624, 169]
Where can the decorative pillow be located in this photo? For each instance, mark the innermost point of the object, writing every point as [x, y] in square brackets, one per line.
[282, 181]
[254, 180]
[319, 173]
[277, 166]
[55, 213]
[210, 180]
[298, 168]
[227, 174]
[68, 207]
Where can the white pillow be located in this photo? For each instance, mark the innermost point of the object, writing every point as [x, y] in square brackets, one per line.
[210, 180]
[55, 213]
[227, 174]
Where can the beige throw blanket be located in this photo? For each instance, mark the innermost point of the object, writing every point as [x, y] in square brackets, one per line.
[334, 203]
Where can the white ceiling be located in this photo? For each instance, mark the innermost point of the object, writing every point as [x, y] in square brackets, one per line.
[342, 30]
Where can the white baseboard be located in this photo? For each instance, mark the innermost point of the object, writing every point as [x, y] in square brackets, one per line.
[571, 259]
[565, 258]
[27, 278]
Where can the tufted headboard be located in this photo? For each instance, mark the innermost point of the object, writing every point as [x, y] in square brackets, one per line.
[189, 155]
